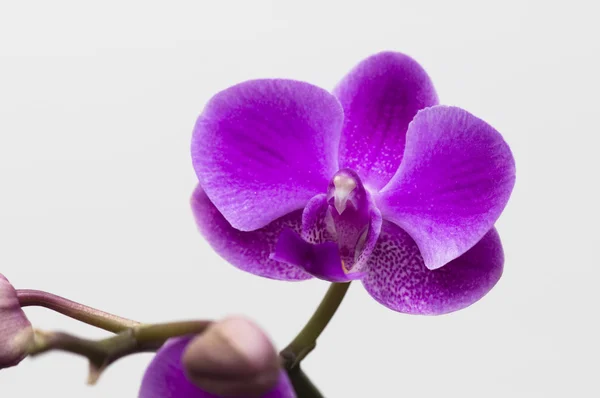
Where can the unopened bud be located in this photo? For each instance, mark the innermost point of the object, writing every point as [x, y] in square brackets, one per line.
[16, 333]
[232, 358]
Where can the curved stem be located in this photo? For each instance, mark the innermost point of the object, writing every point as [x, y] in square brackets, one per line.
[306, 340]
[101, 353]
[83, 313]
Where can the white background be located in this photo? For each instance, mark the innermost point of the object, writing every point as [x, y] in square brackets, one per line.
[97, 105]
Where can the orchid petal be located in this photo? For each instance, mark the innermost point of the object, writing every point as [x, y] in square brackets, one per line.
[320, 260]
[370, 240]
[317, 224]
[165, 376]
[316, 251]
[398, 278]
[380, 97]
[248, 251]
[263, 148]
[454, 181]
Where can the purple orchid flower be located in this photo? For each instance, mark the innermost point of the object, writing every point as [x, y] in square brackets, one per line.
[375, 182]
[16, 332]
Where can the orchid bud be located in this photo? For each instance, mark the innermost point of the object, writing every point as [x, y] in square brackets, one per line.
[16, 333]
[233, 357]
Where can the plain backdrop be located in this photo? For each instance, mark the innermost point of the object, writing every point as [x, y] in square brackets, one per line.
[97, 105]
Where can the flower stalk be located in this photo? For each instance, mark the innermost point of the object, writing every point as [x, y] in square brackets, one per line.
[72, 309]
[302, 384]
[306, 340]
[101, 353]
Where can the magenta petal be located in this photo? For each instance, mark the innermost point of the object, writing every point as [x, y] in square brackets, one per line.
[321, 260]
[370, 241]
[263, 148]
[165, 376]
[317, 224]
[454, 181]
[316, 250]
[380, 97]
[398, 278]
[248, 251]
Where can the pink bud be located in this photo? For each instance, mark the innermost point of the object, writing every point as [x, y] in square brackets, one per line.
[16, 333]
[233, 357]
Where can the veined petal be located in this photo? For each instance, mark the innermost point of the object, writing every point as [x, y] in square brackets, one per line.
[380, 97]
[321, 260]
[248, 251]
[263, 148]
[398, 278]
[454, 181]
[165, 376]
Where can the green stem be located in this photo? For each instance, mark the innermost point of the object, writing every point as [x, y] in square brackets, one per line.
[306, 340]
[102, 353]
[82, 313]
[302, 385]
[161, 332]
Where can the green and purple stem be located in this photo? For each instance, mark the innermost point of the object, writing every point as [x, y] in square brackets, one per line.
[72, 309]
[134, 337]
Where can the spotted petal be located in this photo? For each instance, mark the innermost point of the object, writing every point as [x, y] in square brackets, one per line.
[454, 181]
[263, 148]
[398, 278]
[380, 97]
[248, 251]
[165, 377]
[320, 260]
[330, 250]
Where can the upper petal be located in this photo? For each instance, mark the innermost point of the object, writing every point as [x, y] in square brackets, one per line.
[165, 376]
[263, 148]
[454, 181]
[380, 97]
[398, 278]
[250, 251]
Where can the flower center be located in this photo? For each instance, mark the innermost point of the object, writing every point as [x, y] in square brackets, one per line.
[339, 232]
[348, 217]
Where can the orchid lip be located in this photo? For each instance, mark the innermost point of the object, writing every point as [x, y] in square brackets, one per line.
[335, 229]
